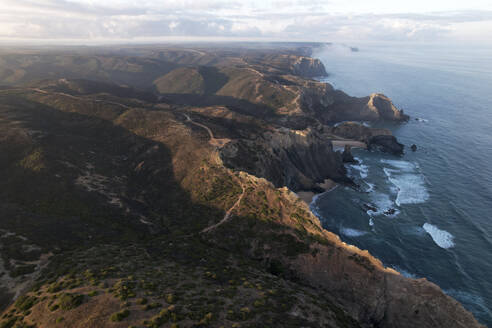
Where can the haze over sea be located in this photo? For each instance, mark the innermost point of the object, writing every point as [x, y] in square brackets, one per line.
[441, 228]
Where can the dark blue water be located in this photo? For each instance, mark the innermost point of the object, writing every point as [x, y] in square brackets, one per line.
[441, 195]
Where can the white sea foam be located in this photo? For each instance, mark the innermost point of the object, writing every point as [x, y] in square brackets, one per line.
[411, 189]
[401, 165]
[383, 203]
[442, 238]
[370, 186]
[371, 222]
[409, 183]
[362, 169]
[352, 232]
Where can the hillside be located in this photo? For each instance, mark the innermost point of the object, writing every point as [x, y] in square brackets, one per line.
[120, 207]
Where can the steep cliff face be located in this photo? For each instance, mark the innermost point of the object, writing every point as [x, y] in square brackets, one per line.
[292, 158]
[309, 67]
[331, 105]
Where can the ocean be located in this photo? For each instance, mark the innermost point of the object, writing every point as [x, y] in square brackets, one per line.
[427, 213]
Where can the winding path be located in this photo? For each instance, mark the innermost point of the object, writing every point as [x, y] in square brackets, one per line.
[219, 143]
[213, 141]
[228, 214]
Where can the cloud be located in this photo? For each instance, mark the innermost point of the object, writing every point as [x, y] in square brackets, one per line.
[313, 20]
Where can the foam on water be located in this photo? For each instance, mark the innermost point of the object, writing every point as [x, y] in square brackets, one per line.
[409, 183]
[363, 169]
[401, 165]
[383, 203]
[352, 232]
[370, 187]
[442, 238]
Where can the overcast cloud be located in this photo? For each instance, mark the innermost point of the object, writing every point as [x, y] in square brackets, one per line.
[88, 21]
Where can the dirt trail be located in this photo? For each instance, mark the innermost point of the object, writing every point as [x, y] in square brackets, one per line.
[213, 141]
[228, 214]
[79, 98]
[218, 143]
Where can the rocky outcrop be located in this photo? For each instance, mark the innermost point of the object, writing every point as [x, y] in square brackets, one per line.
[385, 143]
[292, 158]
[347, 156]
[309, 67]
[377, 296]
[331, 106]
[385, 109]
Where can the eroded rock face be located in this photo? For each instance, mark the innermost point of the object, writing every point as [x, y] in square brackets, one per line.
[292, 158]
[385, 108]
[379, 297]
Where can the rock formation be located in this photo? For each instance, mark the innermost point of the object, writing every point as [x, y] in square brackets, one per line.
[347, 155]
[292, 158]
[385, 143]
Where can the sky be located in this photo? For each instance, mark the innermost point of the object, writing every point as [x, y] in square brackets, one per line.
[105, 21]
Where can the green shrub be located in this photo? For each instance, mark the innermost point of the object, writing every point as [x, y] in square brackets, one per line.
[70, 301]
[24, 303]
[151, 306]
[92, 293]
[170, 298]
[118, 316]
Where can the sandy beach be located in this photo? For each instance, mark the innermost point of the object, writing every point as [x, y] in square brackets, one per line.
[308, 196]
[352, 143]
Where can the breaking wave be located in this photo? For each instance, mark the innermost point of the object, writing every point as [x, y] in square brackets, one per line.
[352, 232]
[442, 238]
[409, 183]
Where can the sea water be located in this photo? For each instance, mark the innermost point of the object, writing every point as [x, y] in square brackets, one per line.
[427, 213]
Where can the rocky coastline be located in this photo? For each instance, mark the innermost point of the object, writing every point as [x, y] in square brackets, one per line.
[192, 202]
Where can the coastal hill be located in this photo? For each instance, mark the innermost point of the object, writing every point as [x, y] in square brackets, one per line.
[154, 187]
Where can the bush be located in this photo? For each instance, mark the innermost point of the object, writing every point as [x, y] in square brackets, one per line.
[24, 303]
[70, 301]
[170, 298]
[118, 316]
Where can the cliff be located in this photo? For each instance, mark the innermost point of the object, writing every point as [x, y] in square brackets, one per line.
[296, 159]
[309, 67]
